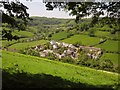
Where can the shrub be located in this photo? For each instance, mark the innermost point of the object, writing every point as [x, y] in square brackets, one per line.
[51, 56]
[106, 65]
[91, 33]
[67, 59]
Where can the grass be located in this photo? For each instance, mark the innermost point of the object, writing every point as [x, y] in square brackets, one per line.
[107, 34]
[102, 33]
[110, 45]
[19, 46]
[6, 43]
[23, 33]
[60, 35]
[77, 74]
[112, 57]
[82, 39]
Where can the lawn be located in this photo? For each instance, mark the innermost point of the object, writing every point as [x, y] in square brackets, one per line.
[73, 73]
[19, 46]
[82, 39]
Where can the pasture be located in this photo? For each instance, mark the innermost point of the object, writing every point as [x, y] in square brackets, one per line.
[102, 33]
[23, 33]
[6, 43]
[60, 35]
[111, 56]
[110, 45]
[77, 74]
[82, 39]
[19, 46]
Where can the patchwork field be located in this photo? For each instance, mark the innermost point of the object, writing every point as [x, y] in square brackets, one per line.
[13, 62]
[110, 45]
[111, 56]
[6, 43]
[24, 45]
[82, 39]
[102, 33]
[23, 33]
[60, 35]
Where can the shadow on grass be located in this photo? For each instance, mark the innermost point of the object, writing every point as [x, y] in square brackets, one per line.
[27, 80]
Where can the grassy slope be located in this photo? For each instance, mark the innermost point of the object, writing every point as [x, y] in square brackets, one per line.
[66, 71]
[7, 43]
[102, 33]
[113, 57]
[20, 46]
[110, 45]
[23, 33]
[82, 39]
[60, 35]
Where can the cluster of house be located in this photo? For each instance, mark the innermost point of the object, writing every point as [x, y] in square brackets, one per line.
[92, 52]
[71, 50]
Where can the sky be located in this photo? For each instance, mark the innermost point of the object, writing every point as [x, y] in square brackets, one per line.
[37, 8]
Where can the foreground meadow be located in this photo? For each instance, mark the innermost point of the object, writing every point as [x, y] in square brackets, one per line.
[24, 71]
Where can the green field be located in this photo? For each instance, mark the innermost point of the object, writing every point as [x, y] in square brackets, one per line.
[82, 39]
[112, 57]
[107, 34]
[60, 35]
[76, 74]
[24, 45]
[7, 43]
[23, 33]
[109, 45]
[102, 33]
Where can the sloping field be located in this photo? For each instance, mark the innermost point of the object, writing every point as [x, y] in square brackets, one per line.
[76, 74]
[111, 56]
[102, 33]
[23, 33]
[60, 35]
[6, 43]
[110, 45]
[82, 39]
[23, 45]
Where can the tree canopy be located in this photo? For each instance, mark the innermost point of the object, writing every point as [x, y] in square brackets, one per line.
[15, 15]
[96, 10]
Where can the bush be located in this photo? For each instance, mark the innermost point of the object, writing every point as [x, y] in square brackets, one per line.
[29, 51]
[67, 60]
[51, 56]
[91, 33]
[106, 65]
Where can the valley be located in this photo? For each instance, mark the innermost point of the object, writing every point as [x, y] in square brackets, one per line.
[59, 50]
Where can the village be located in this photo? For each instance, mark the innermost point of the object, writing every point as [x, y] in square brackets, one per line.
[67, 50]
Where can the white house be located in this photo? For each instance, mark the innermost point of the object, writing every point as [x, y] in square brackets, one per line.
[52, 42]
[65, 44]
[42, 54]
[36, 47]
[55, 46]
[47, 51]
[59, 43]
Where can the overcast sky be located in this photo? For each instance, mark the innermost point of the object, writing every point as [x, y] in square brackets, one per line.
[37, 8]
